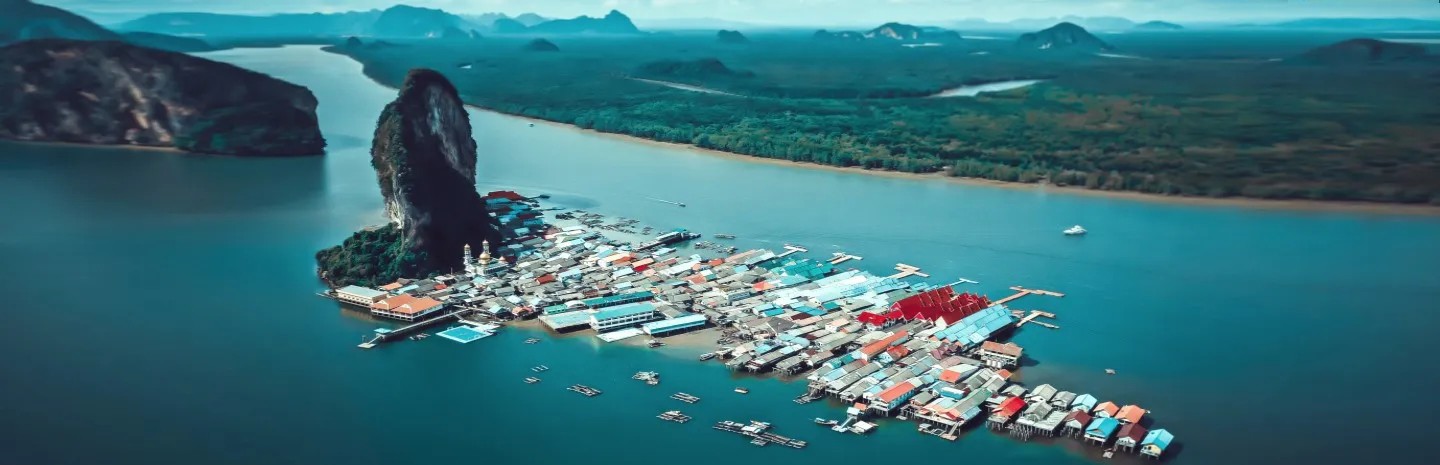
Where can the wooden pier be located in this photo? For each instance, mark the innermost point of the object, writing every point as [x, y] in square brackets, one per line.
[1022, 292]
[842, 257]
[1030, 318]
[791, 249]
[406, 330]
[907, 271]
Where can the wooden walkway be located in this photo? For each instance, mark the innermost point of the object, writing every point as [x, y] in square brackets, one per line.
[1022, 292]
[1037, 314]
[907, 271]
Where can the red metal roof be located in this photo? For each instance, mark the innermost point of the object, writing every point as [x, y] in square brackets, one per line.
[939, 303]
[1010, 407]
[894, 392]
[870, 319]
[504, 195]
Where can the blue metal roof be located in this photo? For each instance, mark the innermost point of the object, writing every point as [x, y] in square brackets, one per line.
[1085, 400]
[1103, 426]
[1159, 438]
[621, 311]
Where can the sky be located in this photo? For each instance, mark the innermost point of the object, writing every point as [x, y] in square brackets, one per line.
[807, 12]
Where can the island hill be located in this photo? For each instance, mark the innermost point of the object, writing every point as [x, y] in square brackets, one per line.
[106, 92]
[1063, 36]
[424, 158]
[1210, 119]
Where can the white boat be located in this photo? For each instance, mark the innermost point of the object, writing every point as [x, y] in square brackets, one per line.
[1076, 231]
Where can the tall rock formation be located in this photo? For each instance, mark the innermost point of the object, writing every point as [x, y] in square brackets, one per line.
[424, 158]
[107, 92]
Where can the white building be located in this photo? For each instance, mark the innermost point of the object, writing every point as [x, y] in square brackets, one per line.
[622, 316]
[360, 295]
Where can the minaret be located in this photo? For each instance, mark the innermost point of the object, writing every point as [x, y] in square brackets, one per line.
[465, 262]
[484, 255]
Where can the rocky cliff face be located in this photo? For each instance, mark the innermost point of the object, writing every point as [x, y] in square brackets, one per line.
[424, 158]
[116, 93]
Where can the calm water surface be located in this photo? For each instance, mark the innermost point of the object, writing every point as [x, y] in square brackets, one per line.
[162, 310]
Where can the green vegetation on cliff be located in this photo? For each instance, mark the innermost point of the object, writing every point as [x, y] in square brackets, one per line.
[1210, 115]
[370, 257]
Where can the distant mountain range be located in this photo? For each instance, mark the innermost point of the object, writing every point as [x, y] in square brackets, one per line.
[24, 20]
[1098, 23]
[613, 22]
[892, 32]
[1063, 36]
[400, 21]
[1158, 26]
[1355, 24]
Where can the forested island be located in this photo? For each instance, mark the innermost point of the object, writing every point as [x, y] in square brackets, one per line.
[1208, 114]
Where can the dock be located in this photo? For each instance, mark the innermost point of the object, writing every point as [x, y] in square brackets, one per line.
[1030, 318]
[906, 271]
[686, 398]
[791, 249]
[842, 257]
[1037, 291]
[1022, 292]
[760, 434]
[390, 335]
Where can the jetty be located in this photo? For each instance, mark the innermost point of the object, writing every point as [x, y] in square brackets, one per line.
[906, 271]
[842, 257]
[1030, 318]
[686, 398]
[760, 433]
[387, 335]
[791, 249]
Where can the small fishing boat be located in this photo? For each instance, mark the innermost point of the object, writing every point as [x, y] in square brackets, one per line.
[724, 236]
[825, 422]
[532, 380]
[539, 368]
[654, 343]
[1076, 231]
[707, 356]
[742, 390]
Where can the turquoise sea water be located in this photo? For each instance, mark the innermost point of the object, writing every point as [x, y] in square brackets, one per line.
[161, 309]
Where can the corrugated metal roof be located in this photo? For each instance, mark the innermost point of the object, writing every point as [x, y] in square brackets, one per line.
[622, 311]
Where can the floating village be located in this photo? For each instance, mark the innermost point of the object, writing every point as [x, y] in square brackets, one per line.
[883, 346]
